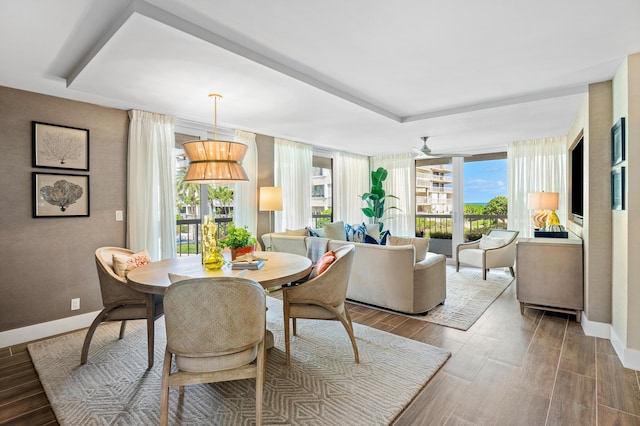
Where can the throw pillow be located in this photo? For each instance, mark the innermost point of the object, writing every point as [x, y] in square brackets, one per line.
[421, 245]
[355, 232]
[313, 232]
[487, 242]
[323, 263]
[335, 231]
[368, 239]
[372, 230]
[123, 264]
[384, 236]
[297, 232]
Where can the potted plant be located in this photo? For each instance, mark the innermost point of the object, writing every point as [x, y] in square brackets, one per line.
[375, 199]
[239, 240]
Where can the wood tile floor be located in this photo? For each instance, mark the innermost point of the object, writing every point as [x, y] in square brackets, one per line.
[507, 369]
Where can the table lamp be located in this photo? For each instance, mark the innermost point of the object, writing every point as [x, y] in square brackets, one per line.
[271, 201]
[545, 204]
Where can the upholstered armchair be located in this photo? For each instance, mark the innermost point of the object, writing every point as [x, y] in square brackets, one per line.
[215, 332]
[497, 249]
[121, 303]
[322, 298]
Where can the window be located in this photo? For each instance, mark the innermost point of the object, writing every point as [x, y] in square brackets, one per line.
[321, 191]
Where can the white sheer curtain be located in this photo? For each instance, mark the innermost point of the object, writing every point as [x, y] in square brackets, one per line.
[293, 164]
[534, 166]
[401, 182]
[351, 180]
[151, 188]
[245, 212]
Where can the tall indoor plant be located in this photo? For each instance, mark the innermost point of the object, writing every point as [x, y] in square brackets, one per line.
[376, 197]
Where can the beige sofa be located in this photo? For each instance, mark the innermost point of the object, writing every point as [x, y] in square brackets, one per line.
[385, 276]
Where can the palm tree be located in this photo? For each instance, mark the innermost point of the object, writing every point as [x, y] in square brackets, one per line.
[187, 192]
[222, 193]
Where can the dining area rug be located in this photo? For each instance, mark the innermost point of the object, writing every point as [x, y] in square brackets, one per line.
[323, 384]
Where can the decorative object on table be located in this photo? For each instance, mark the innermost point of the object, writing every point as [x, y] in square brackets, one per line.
[215, 161]
[542, 202]
[271, 201]
[60, 147]
[211, 257]
[239, 240]
[617, 189]
[618, 142]
[376, 198]
[58, 195]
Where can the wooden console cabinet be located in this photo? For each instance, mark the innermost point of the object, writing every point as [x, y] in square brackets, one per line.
[549, 274]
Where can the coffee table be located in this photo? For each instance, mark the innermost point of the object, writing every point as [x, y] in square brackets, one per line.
[278, 269]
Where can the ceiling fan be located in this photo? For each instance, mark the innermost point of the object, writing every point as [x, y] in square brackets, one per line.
[425, 152]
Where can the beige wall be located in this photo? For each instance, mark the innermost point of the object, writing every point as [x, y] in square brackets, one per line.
[265, 146]
[626, 223]
[44, 263]
[594, 123]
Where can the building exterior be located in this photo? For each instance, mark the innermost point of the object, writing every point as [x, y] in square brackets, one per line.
[434, 193]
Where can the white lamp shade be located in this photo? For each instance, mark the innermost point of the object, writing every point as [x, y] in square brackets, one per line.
[270, 198]
[543, 200]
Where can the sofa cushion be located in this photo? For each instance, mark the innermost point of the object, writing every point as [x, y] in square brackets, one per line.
[372, 230]
[335, 231]
[297, 232]
[123, 264]
[355, 233]
[421, 245]
[487, 242]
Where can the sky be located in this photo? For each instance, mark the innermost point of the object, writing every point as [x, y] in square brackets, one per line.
[484, 180]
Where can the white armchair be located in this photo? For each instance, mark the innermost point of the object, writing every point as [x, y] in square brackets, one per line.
[495, 250]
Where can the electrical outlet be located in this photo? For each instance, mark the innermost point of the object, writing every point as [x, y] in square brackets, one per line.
[75, 304]
[118, 215]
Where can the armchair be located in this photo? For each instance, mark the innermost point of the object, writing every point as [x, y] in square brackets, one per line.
[489, 252]
[322, 298]
[120, 302]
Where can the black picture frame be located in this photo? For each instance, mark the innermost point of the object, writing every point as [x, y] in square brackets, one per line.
[60, 195]
[618, 142]
[617, 189]
[59, 147]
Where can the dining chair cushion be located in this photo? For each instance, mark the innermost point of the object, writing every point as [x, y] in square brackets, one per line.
[218, 362]
[303, 310]
[123, 264]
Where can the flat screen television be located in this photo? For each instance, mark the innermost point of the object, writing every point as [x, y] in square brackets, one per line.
[577, 181]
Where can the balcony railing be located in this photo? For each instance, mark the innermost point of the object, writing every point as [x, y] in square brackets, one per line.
[441, 225]
[189, 235]
[318, 220]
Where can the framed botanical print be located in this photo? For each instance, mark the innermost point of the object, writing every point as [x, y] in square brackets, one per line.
[617, 189]
[60, 147]
[617, 143]
[60, 195]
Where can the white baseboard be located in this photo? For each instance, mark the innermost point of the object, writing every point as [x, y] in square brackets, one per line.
[46, 329]
[596, 329]
[630, 358]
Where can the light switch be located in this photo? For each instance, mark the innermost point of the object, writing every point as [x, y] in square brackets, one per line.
[118, 215]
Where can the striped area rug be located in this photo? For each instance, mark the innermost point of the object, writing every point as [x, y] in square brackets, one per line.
[323, 386]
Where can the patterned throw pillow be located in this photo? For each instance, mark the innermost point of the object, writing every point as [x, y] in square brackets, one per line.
[487, 242]
[123, 264]
[372, 230]
[355, 233]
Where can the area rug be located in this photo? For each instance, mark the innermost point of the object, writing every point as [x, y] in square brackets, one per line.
[468, 296]
[323, 384]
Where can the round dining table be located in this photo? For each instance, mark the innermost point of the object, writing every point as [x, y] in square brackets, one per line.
[278, 269]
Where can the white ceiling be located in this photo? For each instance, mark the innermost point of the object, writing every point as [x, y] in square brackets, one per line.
[366, 76]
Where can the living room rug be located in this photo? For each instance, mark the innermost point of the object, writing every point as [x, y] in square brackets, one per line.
[468, 296]
[323, 384]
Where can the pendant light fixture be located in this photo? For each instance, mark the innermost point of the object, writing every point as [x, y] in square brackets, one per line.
[214, 161]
